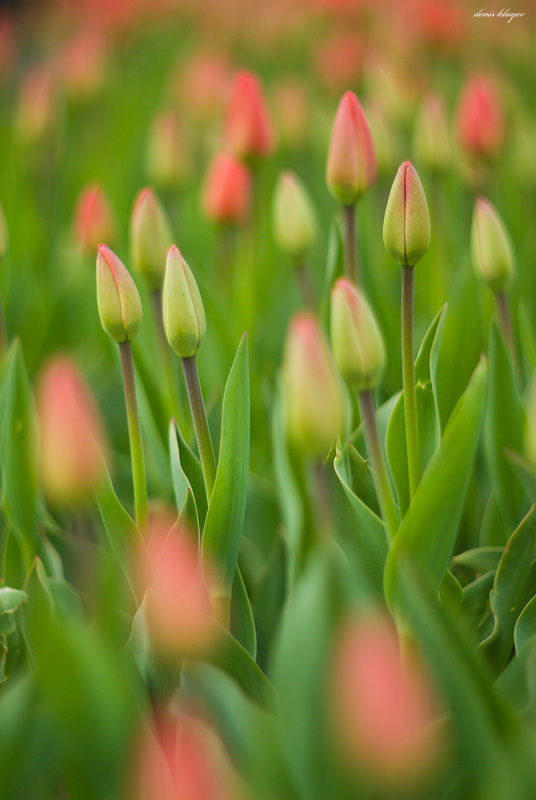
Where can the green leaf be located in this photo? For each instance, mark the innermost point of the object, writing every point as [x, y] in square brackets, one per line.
[525, 627]
[526, 472]
[504, 426]
[242, 622]
[428, 531]
[181, 483]
[359, 475]
[11, 599]
[527, 341]
[334, 269]
[225, 516]
[18, 446]
[478, 560]
[512, 588]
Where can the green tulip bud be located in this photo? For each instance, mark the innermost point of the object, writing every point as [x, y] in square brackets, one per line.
[312, 399]
[150, 237]
[491, 248]
[4, 235]
[117, 296]
[356, 341]
[406, 225]
[294, 220]
[184, 314]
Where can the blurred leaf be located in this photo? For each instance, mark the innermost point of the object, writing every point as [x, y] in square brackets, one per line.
[225, 517]
[527, 342]
[504, 425]
[526, 472]
[242, 622]
[428, 531]
[269, 598]
[188, 516]
[181, 484]
[191, 470]
[359, 476]
[476, 602]
[11, 599]
[334, 269]
[525, 627]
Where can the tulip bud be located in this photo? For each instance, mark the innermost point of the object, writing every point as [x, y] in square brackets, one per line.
[71, 433]
[431, 138]
[491, 248]
[94, 219]
[117, 296]
[184, 314]
[226, 191]
[479, 119]
[294, 219]
[83, 65]
[168, 162]
[406, 225]
[356, 341]
[312, 400]
[37, 107]
[4, 235]
[150, 237]
[351, 166]
[248, 131]
[382, 703]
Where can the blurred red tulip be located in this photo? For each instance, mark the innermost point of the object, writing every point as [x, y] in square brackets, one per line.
[37, 104]
[94, 219]
[291, 107]
[480, 118]
[226, 191]
[72, 440]
[351, 166]
[83, 65]
[248, 131]
[338, 60]
[202, 84]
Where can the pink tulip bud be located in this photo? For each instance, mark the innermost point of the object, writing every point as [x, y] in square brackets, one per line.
[291, 105]
[338, 59]
[168, 152]
[248, 130]
[83, 65]
[37, 107]
[226, 191]
[94, 219]
[202, 84]
[177, 603]
[351, 166]
[479, 119]
[71, 434]
[119, 303]
[383, 707]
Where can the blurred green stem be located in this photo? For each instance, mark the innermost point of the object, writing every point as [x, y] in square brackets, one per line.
[303, 276]
[408, 382]
[351, 265]
[134, 432]
[3, 333]
[505, 325]
[176, 403]
[202, 431]
[380, 476]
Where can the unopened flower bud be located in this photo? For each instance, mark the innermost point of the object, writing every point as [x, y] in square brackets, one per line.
[491, 248]
[356, 341]
[351, 166]
[406, 225]
[479, 118]
[150, 238]
[4, 235]
[168, 161]
[117, 296]
[294, 220]
[312, 400]
[226, 191]
[94, 219]
[184, 314]
[431, 138]
[71, 433]
[248, 130]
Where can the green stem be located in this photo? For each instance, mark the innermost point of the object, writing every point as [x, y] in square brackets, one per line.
[408, 382]
[305, 283]
[202, 432]
[351, 265]
[505, 324]
[175, 395]
[380, 476]
[134, 432]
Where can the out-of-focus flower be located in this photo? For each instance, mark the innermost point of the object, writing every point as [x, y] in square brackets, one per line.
[294, 219]
[383, 137]
[338, 60]
[431, 136]
[8, 45]
[119, 303]
[183, 310]
[351, 165]
[94, 219]
[356, 341]
[406, 225]
[202, 84]
[388, 81]
[313, 405]
[177, 603]
[291, 111]
[83, 65]
[72, 442]
[168, 152]
[491, 248]
[383, 706]
[37, 104]
[248, 130]
[226, 191]
[480, 118]
[150, 238]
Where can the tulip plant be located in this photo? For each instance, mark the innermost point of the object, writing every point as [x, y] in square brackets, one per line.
[267, 403]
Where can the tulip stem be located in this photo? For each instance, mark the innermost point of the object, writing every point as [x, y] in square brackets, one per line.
[202, 431]
[351, 263]
[306, 286]
[134, 432]
[408, 382]
[505, 324]
[176, 394]
[375, 453]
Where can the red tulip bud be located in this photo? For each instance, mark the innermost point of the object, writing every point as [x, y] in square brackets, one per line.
[37, 104]
[351, 166]
[226, 191]
[248, 130]
[479, 120]
[83, 65]
[94, 219]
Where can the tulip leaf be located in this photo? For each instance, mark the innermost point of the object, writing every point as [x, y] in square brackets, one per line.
[18, 446]
[526, 472]
[478, 560]
[242, 622]
[525, 627]
[334, 268]
[504, 426]
[225, 515]
[186, 472]
[428, 531]
[527, 341]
